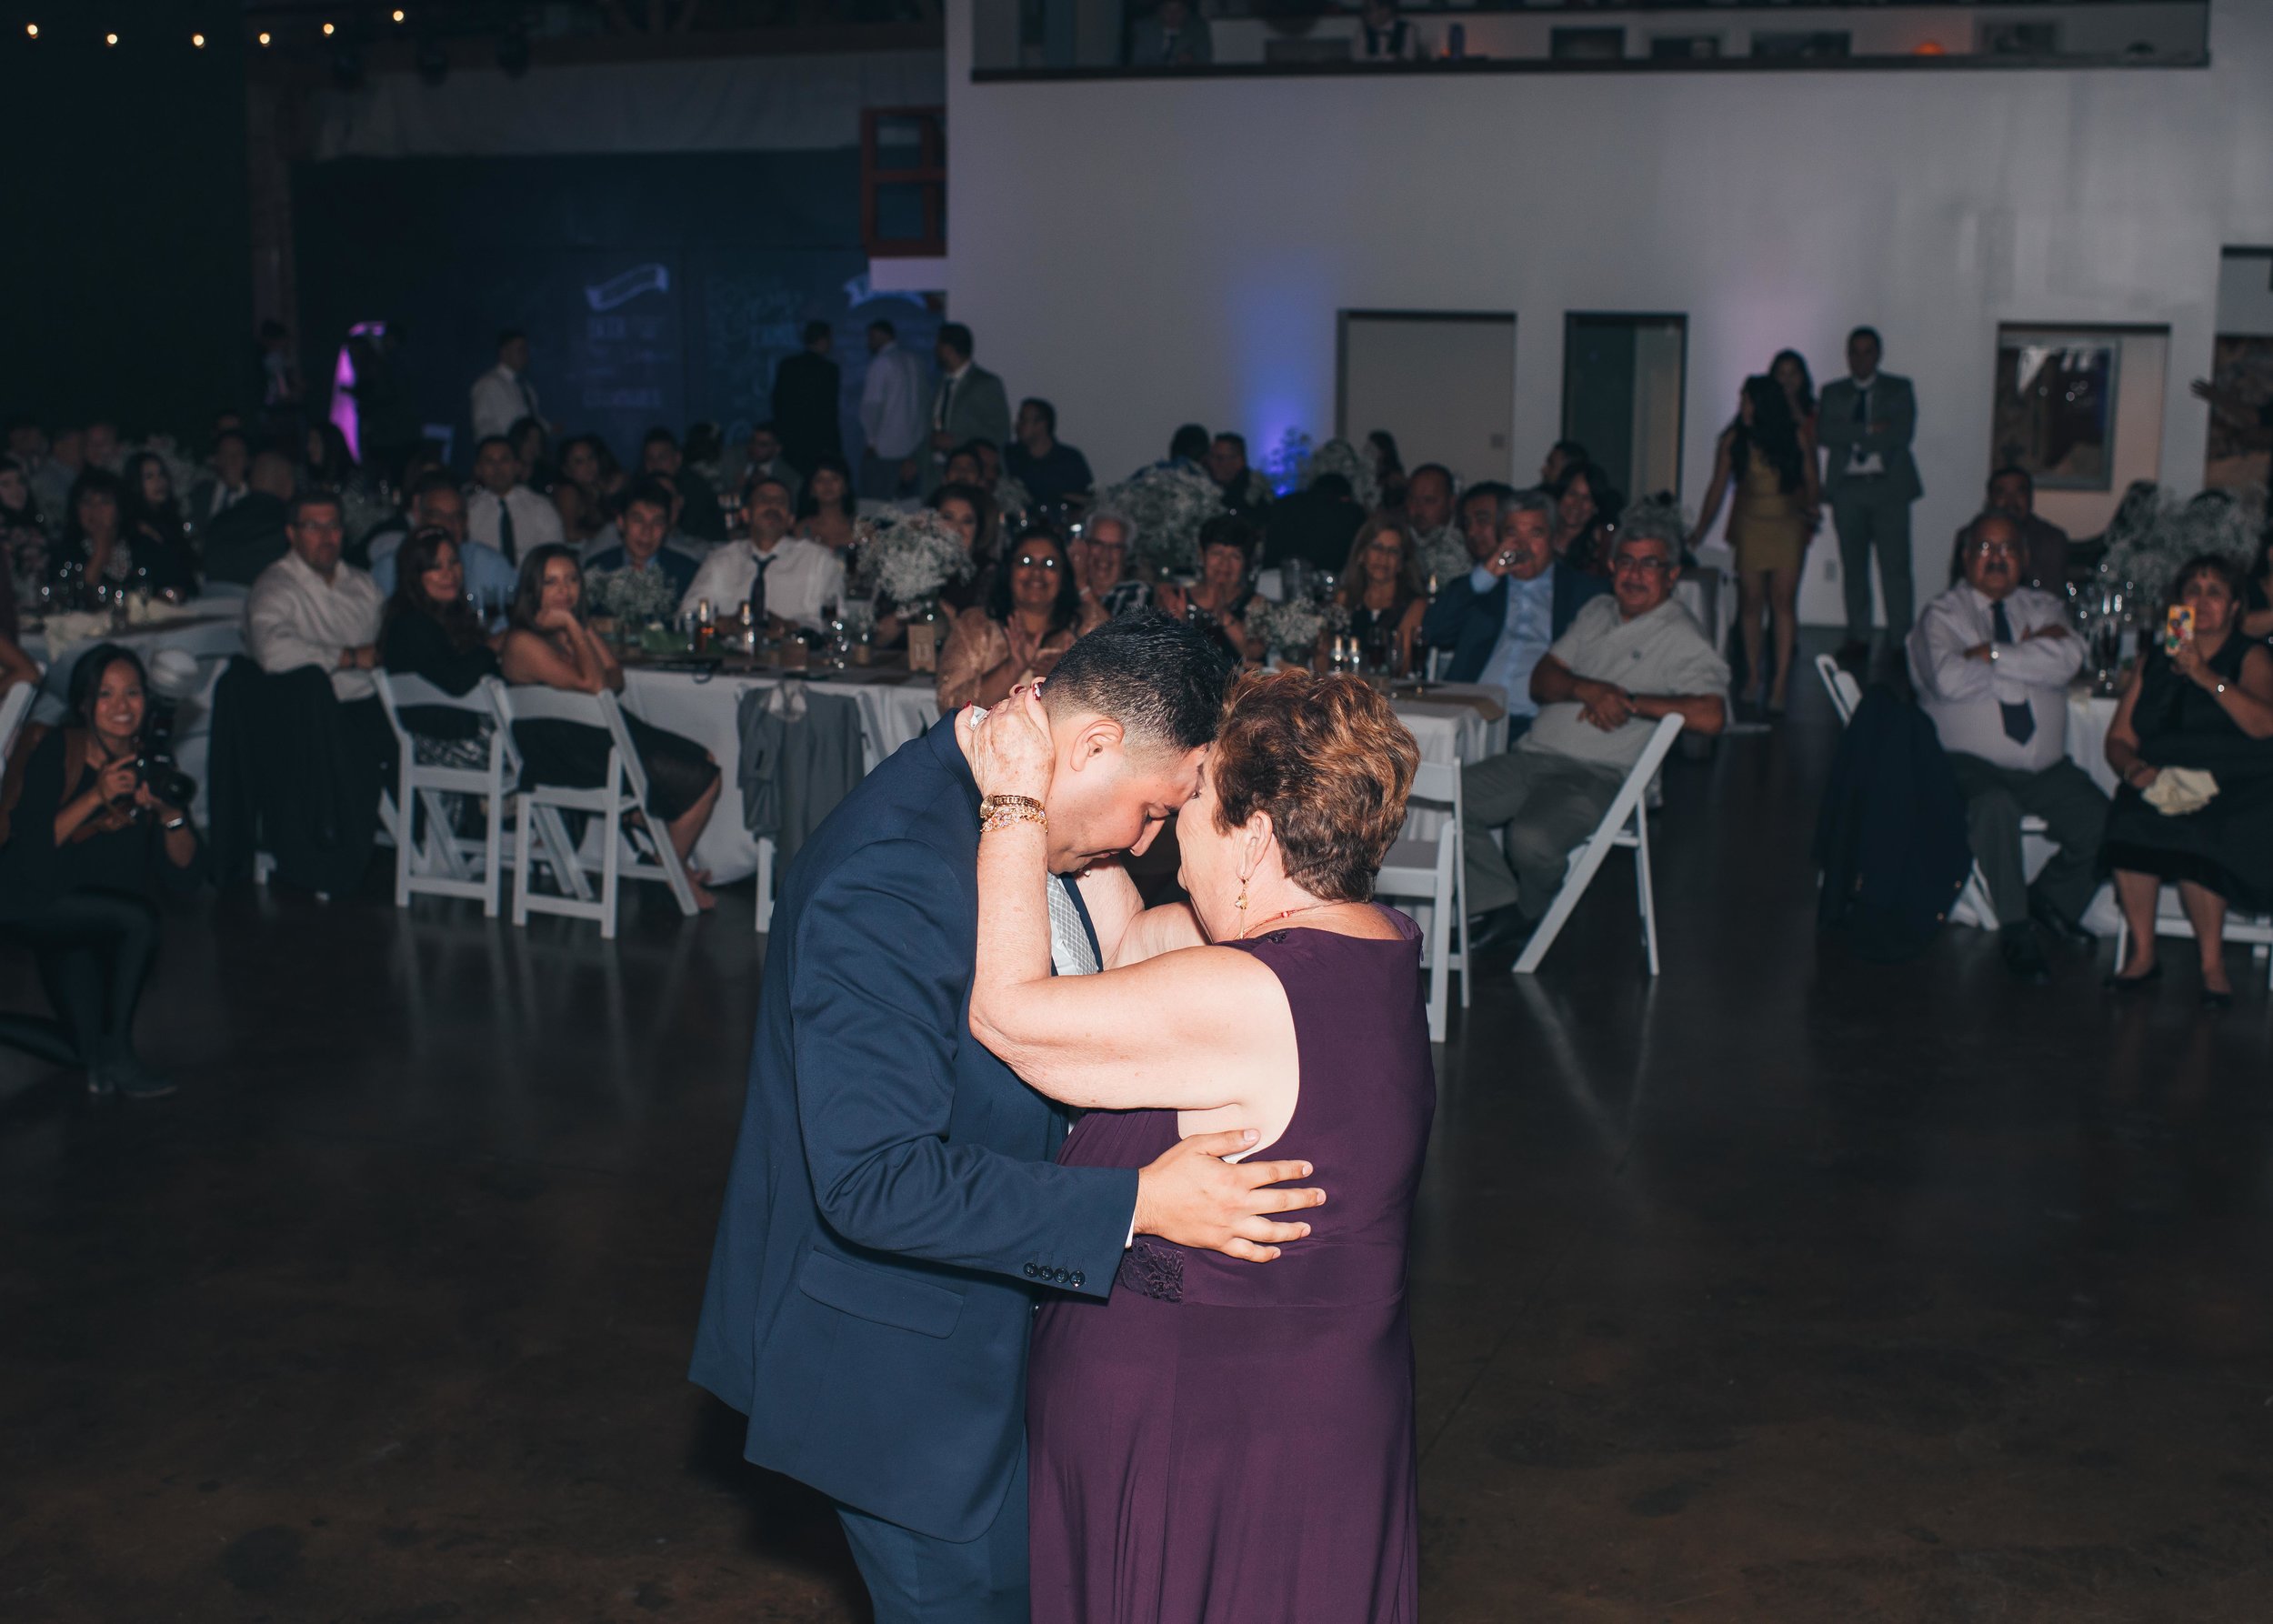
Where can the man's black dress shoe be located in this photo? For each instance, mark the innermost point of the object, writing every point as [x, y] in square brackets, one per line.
[2058, 922]
[1498, 928]
[2023, 957]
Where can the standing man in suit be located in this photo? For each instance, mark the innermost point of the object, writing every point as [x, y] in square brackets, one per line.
[891, 418]
[504, 395]
[805, 388]
[1499, 618]
[895, 1208]
[1865, 424]
[970, 403]
[231, 482]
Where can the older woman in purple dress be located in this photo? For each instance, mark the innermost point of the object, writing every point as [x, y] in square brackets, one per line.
[1216, 1442]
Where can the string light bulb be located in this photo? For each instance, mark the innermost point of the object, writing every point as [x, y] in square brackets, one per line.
[398, 15]
[198, 40]
[264, 36]
[110, 39]
[31, 30]
[328, 30]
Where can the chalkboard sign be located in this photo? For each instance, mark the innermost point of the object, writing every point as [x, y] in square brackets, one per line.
[625, 370]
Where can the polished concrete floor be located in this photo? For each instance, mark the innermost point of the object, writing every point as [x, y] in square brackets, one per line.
[1784, 1289]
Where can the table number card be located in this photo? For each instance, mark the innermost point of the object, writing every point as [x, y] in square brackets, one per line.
[923, 646]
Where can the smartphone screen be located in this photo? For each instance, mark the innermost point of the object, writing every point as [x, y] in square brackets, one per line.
[2178, 627]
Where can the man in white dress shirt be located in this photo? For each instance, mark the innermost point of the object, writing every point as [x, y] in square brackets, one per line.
[437, 501]
[504, 395]
[1992, 660]
[505, 514]
[893, 417]
[802, 578]
[307, 608]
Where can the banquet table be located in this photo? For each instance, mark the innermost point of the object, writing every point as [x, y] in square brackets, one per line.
[1451, 725]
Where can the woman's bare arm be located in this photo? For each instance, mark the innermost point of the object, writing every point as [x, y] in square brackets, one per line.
[529, 657]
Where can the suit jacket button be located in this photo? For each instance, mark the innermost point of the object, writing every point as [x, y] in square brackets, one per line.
[1032, 1272]
[1076, 1276]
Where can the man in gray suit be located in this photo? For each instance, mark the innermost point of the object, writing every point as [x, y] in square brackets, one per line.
[1865, 424]
[970, 403]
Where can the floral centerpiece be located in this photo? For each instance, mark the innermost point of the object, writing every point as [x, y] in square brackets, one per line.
[1168, 505]
[910, 558]
[635, 597]
[1291, 630]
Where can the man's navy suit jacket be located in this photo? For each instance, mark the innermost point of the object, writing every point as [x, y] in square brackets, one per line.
[892, 1206]
[1470, 623]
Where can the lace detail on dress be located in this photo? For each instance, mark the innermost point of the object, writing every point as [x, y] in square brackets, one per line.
[1151, 1270]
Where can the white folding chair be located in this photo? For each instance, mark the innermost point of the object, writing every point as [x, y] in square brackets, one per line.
[537, 810]
[443, 864]
[1973, 906]
[1626, 822]
[2170, 919]
[15, 706]
[1431, 867]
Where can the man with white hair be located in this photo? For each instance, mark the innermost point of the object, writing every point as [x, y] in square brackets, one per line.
[1100, 557]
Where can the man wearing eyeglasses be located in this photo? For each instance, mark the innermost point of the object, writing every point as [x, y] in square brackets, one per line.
[1992, 660]
[1628, 660]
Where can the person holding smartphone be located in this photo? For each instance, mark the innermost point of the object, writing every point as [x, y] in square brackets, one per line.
[93, 824]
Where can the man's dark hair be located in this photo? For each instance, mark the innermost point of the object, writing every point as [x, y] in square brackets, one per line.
[766, 427]
[1871, 334]
[774, 480]
[508, 335]
[238, 435]
[2014, 471]
[431, 481]
[659, 436]
[651, 492]
[958, 337]
[1189, 442]
[972, 446]
[1442, 473]
[1971, 533]
[815, 331]
[486, 441]
[1228, 437]
[1334, 485]
[1572, 451]
[296, 509]
[885, 327]
[1162, 679]
[1498, 491]
[1230, 531]
[1047, 412]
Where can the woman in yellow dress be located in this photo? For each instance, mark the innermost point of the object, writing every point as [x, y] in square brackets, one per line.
[1770, 522]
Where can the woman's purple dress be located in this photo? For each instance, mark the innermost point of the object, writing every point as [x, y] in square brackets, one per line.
[1231, 1441]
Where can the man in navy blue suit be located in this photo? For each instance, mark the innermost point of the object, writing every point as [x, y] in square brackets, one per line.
[894, 1207]
[1499, 618]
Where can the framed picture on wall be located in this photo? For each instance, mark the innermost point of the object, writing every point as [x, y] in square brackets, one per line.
[2240, 395]
[2054, 413]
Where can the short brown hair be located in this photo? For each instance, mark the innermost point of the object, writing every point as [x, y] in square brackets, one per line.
[1328, 758]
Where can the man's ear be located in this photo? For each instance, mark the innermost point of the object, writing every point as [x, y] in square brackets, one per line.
[1097, 737]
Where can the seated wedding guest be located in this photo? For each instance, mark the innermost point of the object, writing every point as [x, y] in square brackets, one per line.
[762, 458]
[1243, 490]
[1478, 512]
[1175, 36]
[310, 609]
[548, 644]
[963, 466]
[973, 514]
[506, 514]
[1585, 517]
[1219, 601]
[1384, 36]
[581, 495]
[1316, 525]
[802, 579]
[436, 502]
[1992, 659]
[1628, 661]
[430, 631]
[1032, 617]
[160, 532]
[2012, 491]
[231, 482]
[1101, 564]
[85, 837]
[249, 536]
[644, 529]
[1428, 500]
[1514, 600]
[54, 475]
[1188, 448]
[23, 528]
[660, 456]
[827, 510]
[1050, 470]
[103, 449]
[2203, 712]
[96, 549]
[531, 449]
[1561, 456]
[1385, 592]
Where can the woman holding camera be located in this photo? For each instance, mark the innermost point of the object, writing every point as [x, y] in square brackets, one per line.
[90, 826]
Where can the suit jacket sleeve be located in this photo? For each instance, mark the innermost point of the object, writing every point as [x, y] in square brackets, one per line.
[990, 412]
[880, 999]
[1440, 626]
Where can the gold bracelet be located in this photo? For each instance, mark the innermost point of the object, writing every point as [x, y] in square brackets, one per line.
[1000, 811]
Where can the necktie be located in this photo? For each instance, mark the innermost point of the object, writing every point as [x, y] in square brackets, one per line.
[1855, 453]
[757, 591]
[2020, 722]
[1070, 952]
[505, 531]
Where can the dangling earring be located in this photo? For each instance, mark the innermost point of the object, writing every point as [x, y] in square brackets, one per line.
[1241, 901]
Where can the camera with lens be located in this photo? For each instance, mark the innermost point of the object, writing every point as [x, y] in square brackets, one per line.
[155, 769]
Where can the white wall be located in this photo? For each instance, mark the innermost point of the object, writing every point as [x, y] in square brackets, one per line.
[1145, 252]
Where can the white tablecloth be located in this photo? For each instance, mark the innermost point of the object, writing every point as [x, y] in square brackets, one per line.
[704, 708]
[2089, 718]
